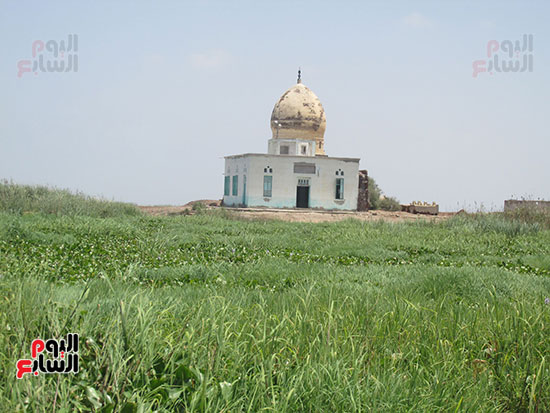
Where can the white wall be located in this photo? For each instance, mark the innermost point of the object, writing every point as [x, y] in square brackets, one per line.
[322, 183]
[238, 165]
[294, 146]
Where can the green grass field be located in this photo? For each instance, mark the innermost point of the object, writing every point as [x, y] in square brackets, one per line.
[212, 313]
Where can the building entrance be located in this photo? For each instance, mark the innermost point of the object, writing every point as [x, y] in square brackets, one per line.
[302, 193]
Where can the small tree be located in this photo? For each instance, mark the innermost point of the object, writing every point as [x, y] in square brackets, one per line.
[374, 194]
[377, 201]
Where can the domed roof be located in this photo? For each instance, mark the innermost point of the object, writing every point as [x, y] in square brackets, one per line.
[298, 114]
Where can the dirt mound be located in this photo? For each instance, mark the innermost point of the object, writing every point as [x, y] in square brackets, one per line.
[205, 202]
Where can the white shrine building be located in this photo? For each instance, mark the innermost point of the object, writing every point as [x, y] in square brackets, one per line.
[295, 172]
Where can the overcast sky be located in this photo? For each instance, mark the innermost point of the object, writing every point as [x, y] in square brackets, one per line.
[165, 89]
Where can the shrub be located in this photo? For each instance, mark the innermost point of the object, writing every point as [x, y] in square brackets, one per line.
[198, 207]
[389, 204]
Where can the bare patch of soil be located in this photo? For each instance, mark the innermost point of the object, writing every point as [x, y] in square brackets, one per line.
[297, 215]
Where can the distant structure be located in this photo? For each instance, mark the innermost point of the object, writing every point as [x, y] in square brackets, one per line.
[511, 204]
[295, 172]
[419, 207]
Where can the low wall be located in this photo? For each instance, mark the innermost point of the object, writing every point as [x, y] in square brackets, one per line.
[511, 204]
[421, 209]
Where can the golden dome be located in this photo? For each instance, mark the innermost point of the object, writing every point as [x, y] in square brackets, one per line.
[298, 114]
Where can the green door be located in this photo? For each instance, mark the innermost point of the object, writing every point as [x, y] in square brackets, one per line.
[244, 190]
[302, 196]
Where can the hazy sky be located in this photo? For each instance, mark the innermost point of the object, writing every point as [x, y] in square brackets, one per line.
[165, 89]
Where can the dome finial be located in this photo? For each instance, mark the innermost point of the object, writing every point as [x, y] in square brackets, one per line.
[299, 75]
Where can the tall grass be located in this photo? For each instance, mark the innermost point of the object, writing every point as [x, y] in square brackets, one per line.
[22, 199]
[343, 340]
[499, 223]
[208, 313]
[529, 215]
[512, 223]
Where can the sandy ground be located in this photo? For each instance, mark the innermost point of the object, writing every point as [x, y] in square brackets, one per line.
[297, 215]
